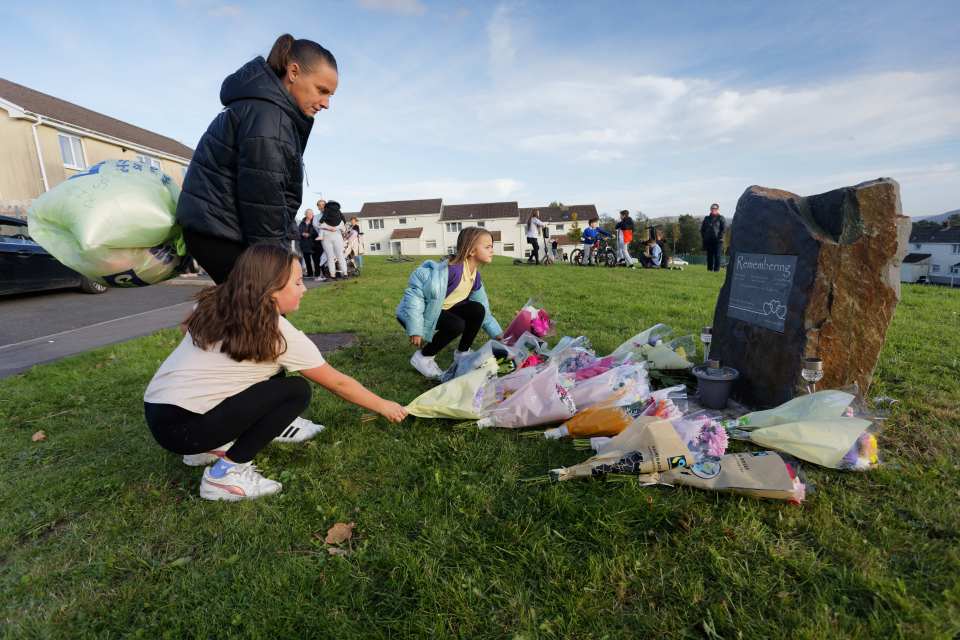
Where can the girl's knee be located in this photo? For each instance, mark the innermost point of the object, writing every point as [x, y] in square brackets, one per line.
[298, 389]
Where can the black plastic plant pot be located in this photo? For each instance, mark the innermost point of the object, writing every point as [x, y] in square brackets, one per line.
[714, 385]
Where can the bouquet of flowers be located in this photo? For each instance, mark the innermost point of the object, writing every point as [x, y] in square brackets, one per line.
[627, 379]
[610, 418]
[541, 399]
[830, 428]
[531, 319]
[648, 446]
[508, 359]
[462, 397]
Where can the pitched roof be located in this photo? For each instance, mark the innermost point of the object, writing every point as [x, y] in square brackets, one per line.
[401, 208]
[948, 235]
[560, 214]
[69, 113]
[479, 211]
[915, 257]
[403, 234]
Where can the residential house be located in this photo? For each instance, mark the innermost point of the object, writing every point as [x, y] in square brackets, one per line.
[499, 218]
[915, 267]
[44, 140]
[943, 245]
[402, 226]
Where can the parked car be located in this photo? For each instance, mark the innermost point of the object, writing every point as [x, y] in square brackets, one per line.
[26, 266]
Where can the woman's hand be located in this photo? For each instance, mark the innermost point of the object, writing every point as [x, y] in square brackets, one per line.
[416, 341]
[392, 411]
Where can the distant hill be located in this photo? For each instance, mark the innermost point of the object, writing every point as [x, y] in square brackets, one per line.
[943, 217]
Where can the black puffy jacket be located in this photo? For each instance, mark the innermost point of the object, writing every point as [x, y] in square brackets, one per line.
[245, 181]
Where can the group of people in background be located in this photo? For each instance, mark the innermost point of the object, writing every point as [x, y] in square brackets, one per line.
[327, 239]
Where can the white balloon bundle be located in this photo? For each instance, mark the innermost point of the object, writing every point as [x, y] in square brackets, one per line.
[114, 223]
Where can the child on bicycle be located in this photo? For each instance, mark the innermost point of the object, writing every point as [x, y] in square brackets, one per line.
[591, 239]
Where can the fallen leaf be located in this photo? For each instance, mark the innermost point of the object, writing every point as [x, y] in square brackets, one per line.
[337, 551]
[39, 436]
[339, 533]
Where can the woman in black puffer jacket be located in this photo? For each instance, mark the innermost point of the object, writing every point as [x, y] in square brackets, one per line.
[244, 184]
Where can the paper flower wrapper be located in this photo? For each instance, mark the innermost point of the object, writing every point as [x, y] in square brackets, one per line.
[647, 446]
[760, 474]
[508, 359]
[837, 443]
[628, 380]
[543, 399]
[461, 398]
[648, 337]
[829, 403]
[610, 418]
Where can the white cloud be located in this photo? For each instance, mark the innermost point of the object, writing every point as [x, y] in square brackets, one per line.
[225, 11]
[401, 7]
[500, 37]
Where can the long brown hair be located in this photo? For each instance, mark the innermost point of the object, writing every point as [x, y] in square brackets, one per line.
[469, 236]
[241, 313]
[306, 53]
[533, 214]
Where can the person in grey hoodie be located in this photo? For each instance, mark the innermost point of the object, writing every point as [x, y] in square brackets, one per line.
[244, 183]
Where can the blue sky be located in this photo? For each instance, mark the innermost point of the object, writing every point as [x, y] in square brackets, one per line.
[659, 107]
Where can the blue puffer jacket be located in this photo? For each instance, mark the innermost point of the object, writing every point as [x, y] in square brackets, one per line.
[422, 301]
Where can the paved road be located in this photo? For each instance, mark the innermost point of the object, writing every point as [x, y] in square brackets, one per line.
[42, 327]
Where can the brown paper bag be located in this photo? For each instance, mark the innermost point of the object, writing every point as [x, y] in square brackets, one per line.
[761, 474]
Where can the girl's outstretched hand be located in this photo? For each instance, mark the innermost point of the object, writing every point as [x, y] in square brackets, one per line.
[392, 411]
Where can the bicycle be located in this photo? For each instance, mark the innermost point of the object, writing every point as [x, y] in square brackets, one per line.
[603, 254]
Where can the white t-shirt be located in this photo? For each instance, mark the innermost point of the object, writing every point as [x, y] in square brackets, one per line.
[534, 226]
[197, 379]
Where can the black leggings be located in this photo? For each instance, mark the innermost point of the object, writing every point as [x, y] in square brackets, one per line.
[252, 418]
[462, 320]
[216, 255]
[535, 252]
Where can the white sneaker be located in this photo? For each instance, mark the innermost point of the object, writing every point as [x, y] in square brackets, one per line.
[319, 279]
[299, 430]
[209, 457]
[426, 365]
[240, 482]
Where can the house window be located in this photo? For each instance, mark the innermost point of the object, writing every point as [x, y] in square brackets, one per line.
[935, 268]
[508, 248]
[955, 268]
[403, 221]
[481, 224]
[375, 246]
[72, 152]
[148, 161]
[917, 245]
[558, 227]
[431, 244]
[451, 250]
[956, 249]
[454, 227]
[375, 224]
[183, 172]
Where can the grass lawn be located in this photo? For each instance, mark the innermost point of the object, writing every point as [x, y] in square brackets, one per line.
[102, 533]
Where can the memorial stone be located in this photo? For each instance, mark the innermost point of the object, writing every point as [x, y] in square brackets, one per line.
[809, 277]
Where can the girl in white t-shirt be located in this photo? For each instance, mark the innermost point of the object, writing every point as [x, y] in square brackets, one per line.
[221, 396]
[534, 225]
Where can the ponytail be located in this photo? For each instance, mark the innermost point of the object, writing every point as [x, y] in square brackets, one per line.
[307, 53]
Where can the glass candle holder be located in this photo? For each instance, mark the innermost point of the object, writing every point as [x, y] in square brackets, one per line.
[812, 372]
[706, 337]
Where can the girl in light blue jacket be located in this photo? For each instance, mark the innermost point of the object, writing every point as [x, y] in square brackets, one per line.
[447, 299]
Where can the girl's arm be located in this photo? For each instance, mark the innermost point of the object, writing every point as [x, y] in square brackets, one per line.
[354, 392]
